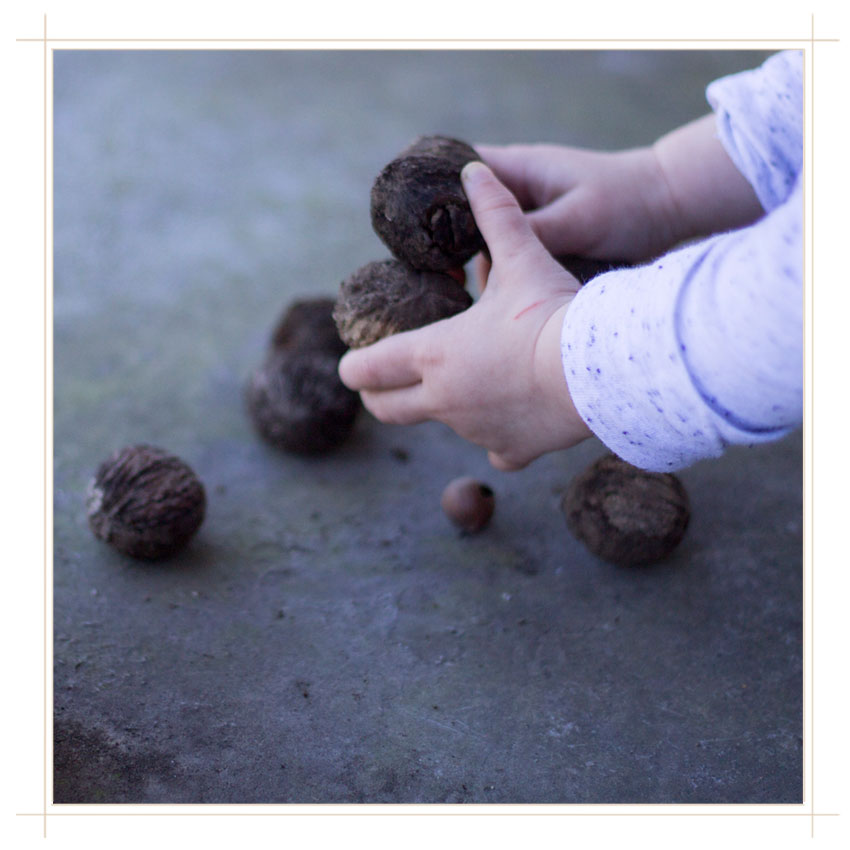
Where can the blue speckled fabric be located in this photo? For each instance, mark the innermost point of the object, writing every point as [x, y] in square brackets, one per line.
[670, 362]
[760, 122]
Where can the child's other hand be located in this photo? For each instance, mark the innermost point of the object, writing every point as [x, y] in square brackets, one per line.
[492, 373]
[630, 205]
[611, 206]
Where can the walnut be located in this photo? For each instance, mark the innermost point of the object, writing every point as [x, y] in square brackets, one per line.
[298, 403]
[307, 324]
[419, 209]
[625, 515]
[387, 297]
[145, 502]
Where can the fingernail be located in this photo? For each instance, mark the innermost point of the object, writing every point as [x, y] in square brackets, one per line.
[472, 170]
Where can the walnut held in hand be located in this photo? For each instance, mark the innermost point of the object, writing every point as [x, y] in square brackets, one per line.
[625, 515]
[145, 502]
[419, 209]
[468, 503]
[298, 403]
[387, 297]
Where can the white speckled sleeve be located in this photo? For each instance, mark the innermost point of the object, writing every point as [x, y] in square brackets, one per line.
[670, 362]
[760, 123]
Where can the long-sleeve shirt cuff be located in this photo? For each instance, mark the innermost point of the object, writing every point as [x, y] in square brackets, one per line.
[626, 367]
[759, 122]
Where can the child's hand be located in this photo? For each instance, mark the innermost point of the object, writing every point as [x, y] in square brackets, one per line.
[492, 373]
[630, 205]
[611, 206]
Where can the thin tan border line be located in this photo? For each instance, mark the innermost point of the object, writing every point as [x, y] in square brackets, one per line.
[47, 464]
[704, 808]
[697, 808]
[440, 40]
[432, 814]
[45, 814]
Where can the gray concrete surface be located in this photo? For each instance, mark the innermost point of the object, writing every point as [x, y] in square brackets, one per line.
[328, 636]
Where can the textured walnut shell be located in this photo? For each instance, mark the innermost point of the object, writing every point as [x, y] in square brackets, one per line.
[145, 502]
[386, 297]
[298, 403]
[419, 209]
[468, 503]
[452, 151]
[307, 324]
[625, 515]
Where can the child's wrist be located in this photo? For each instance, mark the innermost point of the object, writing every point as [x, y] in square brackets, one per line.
[563, 417]
[670, 224]
[707, 194]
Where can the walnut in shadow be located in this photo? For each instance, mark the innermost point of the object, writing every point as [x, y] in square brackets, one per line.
[297, 402]
[307, 324]
[625, 515]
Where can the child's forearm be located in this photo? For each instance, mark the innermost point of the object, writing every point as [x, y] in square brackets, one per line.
[706, 192]
[670, 362]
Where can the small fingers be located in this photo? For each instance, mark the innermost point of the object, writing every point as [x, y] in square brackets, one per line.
[510, 164]
[405, 406]
[498, 215]
[505, 463]
[561, 226]
[385, 365]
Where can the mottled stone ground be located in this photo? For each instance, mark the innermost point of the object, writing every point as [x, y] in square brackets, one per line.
[328, 636]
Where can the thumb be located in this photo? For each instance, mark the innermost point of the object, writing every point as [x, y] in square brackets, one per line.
[498, 215]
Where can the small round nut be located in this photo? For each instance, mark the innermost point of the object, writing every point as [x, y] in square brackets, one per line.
[145, 502]
[625, 515]
[419, 209]
[386, 297]
[468, 503]
[308, 325]
[298, 403]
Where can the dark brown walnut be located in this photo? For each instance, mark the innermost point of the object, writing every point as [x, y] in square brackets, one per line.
[468, 503]
[308, 324]
[298, 403]
[386, 297]
[145, 502]
[452, 151]
[419, 209]
[625, 515]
